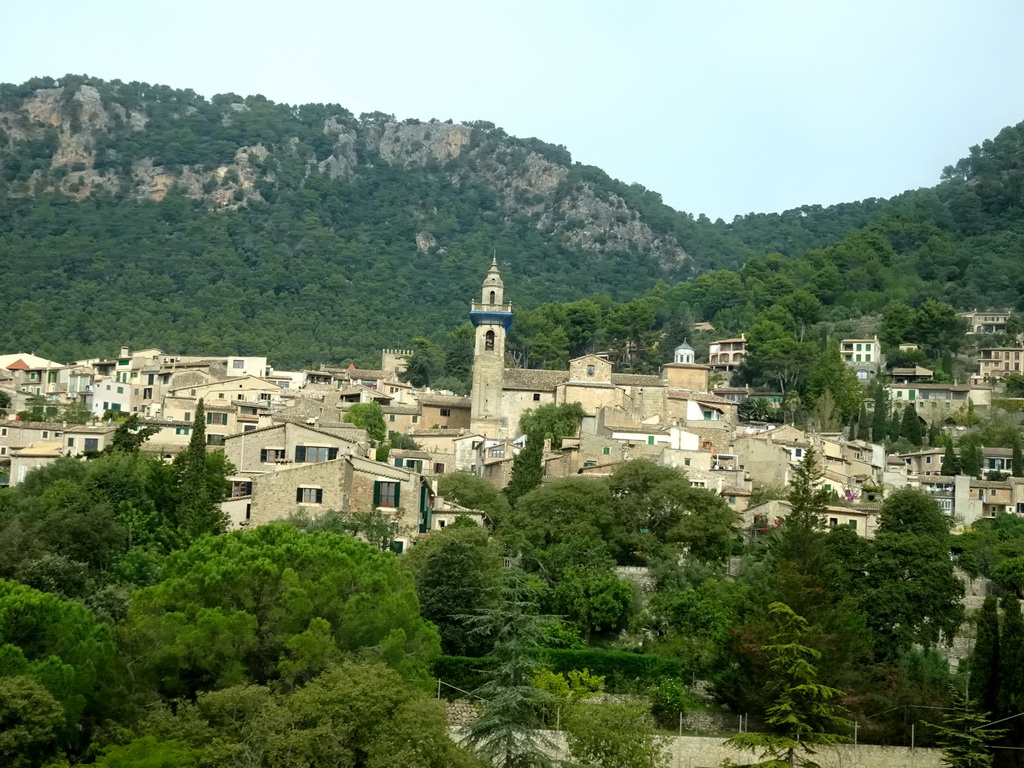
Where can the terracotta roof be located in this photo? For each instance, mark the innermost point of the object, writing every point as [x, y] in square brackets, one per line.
[636, 380]
[533, 379]
[18, 365]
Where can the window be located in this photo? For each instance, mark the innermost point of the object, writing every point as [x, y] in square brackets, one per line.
[867, 358]
[536, 397]
[492, 297]
[853, 524]
[446, 412]
[264, 395]
[270, 455]
[397, 547]
[147, 393]
[215, 439]
[135, 392]
[241, 488]
[3, 432]
[51, 377]
[590, 370]
[192, 392]
[650, 439]
[188, 416]
[391, 418]
[309, 495]
[182, 430]
[399, 462]
[927, 459]
[249, 428]
[92, 444]
[46, 434]
[120, 390]
[489, 341]
[606, 451]
[386, 494]
[314, 453]
[415, 419]
[858, 349]
[71, 442]
[220, 395]
[217, 418]
[439, 469]
[150, 379]
[732, 499]
[238, 363]
[497, 453]
[686, 462]
[833, 521]
[798, 452]
[240, 396]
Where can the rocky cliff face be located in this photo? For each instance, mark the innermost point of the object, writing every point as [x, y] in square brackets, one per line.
[79, 138]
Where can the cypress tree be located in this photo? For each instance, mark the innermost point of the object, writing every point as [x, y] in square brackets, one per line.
[863, 424]
[197, 513]
[984, 660]
[880, 421]
[934, 434]
[911, 426]
[1011, 660]
[950, 462]
[1018, 458]
[527, 468]
[895, 426]
[970, 459]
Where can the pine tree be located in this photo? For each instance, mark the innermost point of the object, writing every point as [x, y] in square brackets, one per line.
[911, 426]
[984, 659]
[805, 714]
[508, 734]
[950, 462]
[880, 420]
[527, 468]
[964, 743]
[863, 424]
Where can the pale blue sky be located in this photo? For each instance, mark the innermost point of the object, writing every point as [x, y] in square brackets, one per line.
[722, 107]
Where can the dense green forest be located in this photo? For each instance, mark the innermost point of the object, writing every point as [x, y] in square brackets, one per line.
[278, 254]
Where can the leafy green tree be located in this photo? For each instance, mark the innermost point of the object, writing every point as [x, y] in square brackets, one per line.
[554, 422]
[594, 601]
[5, 403]
[508, 734]
[833, 375]
[527, 469]
[75, 413]
[984, 660]
[805, 714]
[962, 737]
[937, 327]
[30, 718]
[613, 735]
[58, 644]
[459, 575]
[950, 462]
[147, 752]
[913, 592]
[1009, 574]
[250, 606]
[468, 490]
[370, 417]
[129, 436]
[426, 364]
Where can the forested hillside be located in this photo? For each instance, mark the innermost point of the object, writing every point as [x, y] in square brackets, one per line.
[151, 216]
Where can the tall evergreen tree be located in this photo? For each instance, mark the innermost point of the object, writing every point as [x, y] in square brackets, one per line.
[895, 426]
[970, 459]
[509, 732]
[198, 514]
[934, 433]
[1011, 660]
[1018, 458]
[984, 659]
[863, 424]
[911, 426]
[961, 737]
[950, 462]
[527, 468]
[880, 419]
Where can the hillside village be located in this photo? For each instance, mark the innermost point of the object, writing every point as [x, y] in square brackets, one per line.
[287, 437]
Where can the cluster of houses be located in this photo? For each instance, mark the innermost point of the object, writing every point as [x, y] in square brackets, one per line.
[286, 435]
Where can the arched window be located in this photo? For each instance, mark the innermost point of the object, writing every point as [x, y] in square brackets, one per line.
[489, 340]
[492, 297]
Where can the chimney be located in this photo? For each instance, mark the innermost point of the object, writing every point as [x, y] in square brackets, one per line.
[124, 351]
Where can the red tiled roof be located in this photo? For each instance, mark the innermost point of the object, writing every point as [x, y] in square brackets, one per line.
[18, 365]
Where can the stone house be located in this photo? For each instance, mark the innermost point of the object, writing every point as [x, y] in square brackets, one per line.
[444, 411]
[280, 446]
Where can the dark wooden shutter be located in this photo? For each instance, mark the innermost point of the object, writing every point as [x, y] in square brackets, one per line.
[319, 495]
[332, 453]
[263, 455]
[298, 494]
[398, 493]
[376, 494]
[300, 453]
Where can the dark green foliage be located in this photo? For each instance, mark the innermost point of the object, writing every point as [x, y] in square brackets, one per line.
[911, 429]
[984, 664]
[1010, 672]
[880, 421]
[198, 513]
[971, 458]
[1018, 458]
[473, 492]
[527, 469]
[272, 604]
[613, 735]
[553, 422]
[950, 462]
[129, 436]
[370, 417]
[964, 742]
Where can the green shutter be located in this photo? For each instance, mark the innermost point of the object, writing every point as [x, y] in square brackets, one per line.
[376, 494]
[298, 494]
[263, 455]
[398, 462]
[209, 418]
[398, 495]
[300, 453]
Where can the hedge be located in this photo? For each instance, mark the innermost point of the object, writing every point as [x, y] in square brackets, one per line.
[624, 672]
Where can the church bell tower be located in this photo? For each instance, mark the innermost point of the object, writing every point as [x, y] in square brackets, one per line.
[491, 317]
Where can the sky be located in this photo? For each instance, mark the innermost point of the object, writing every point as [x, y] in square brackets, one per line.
[723, 107]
